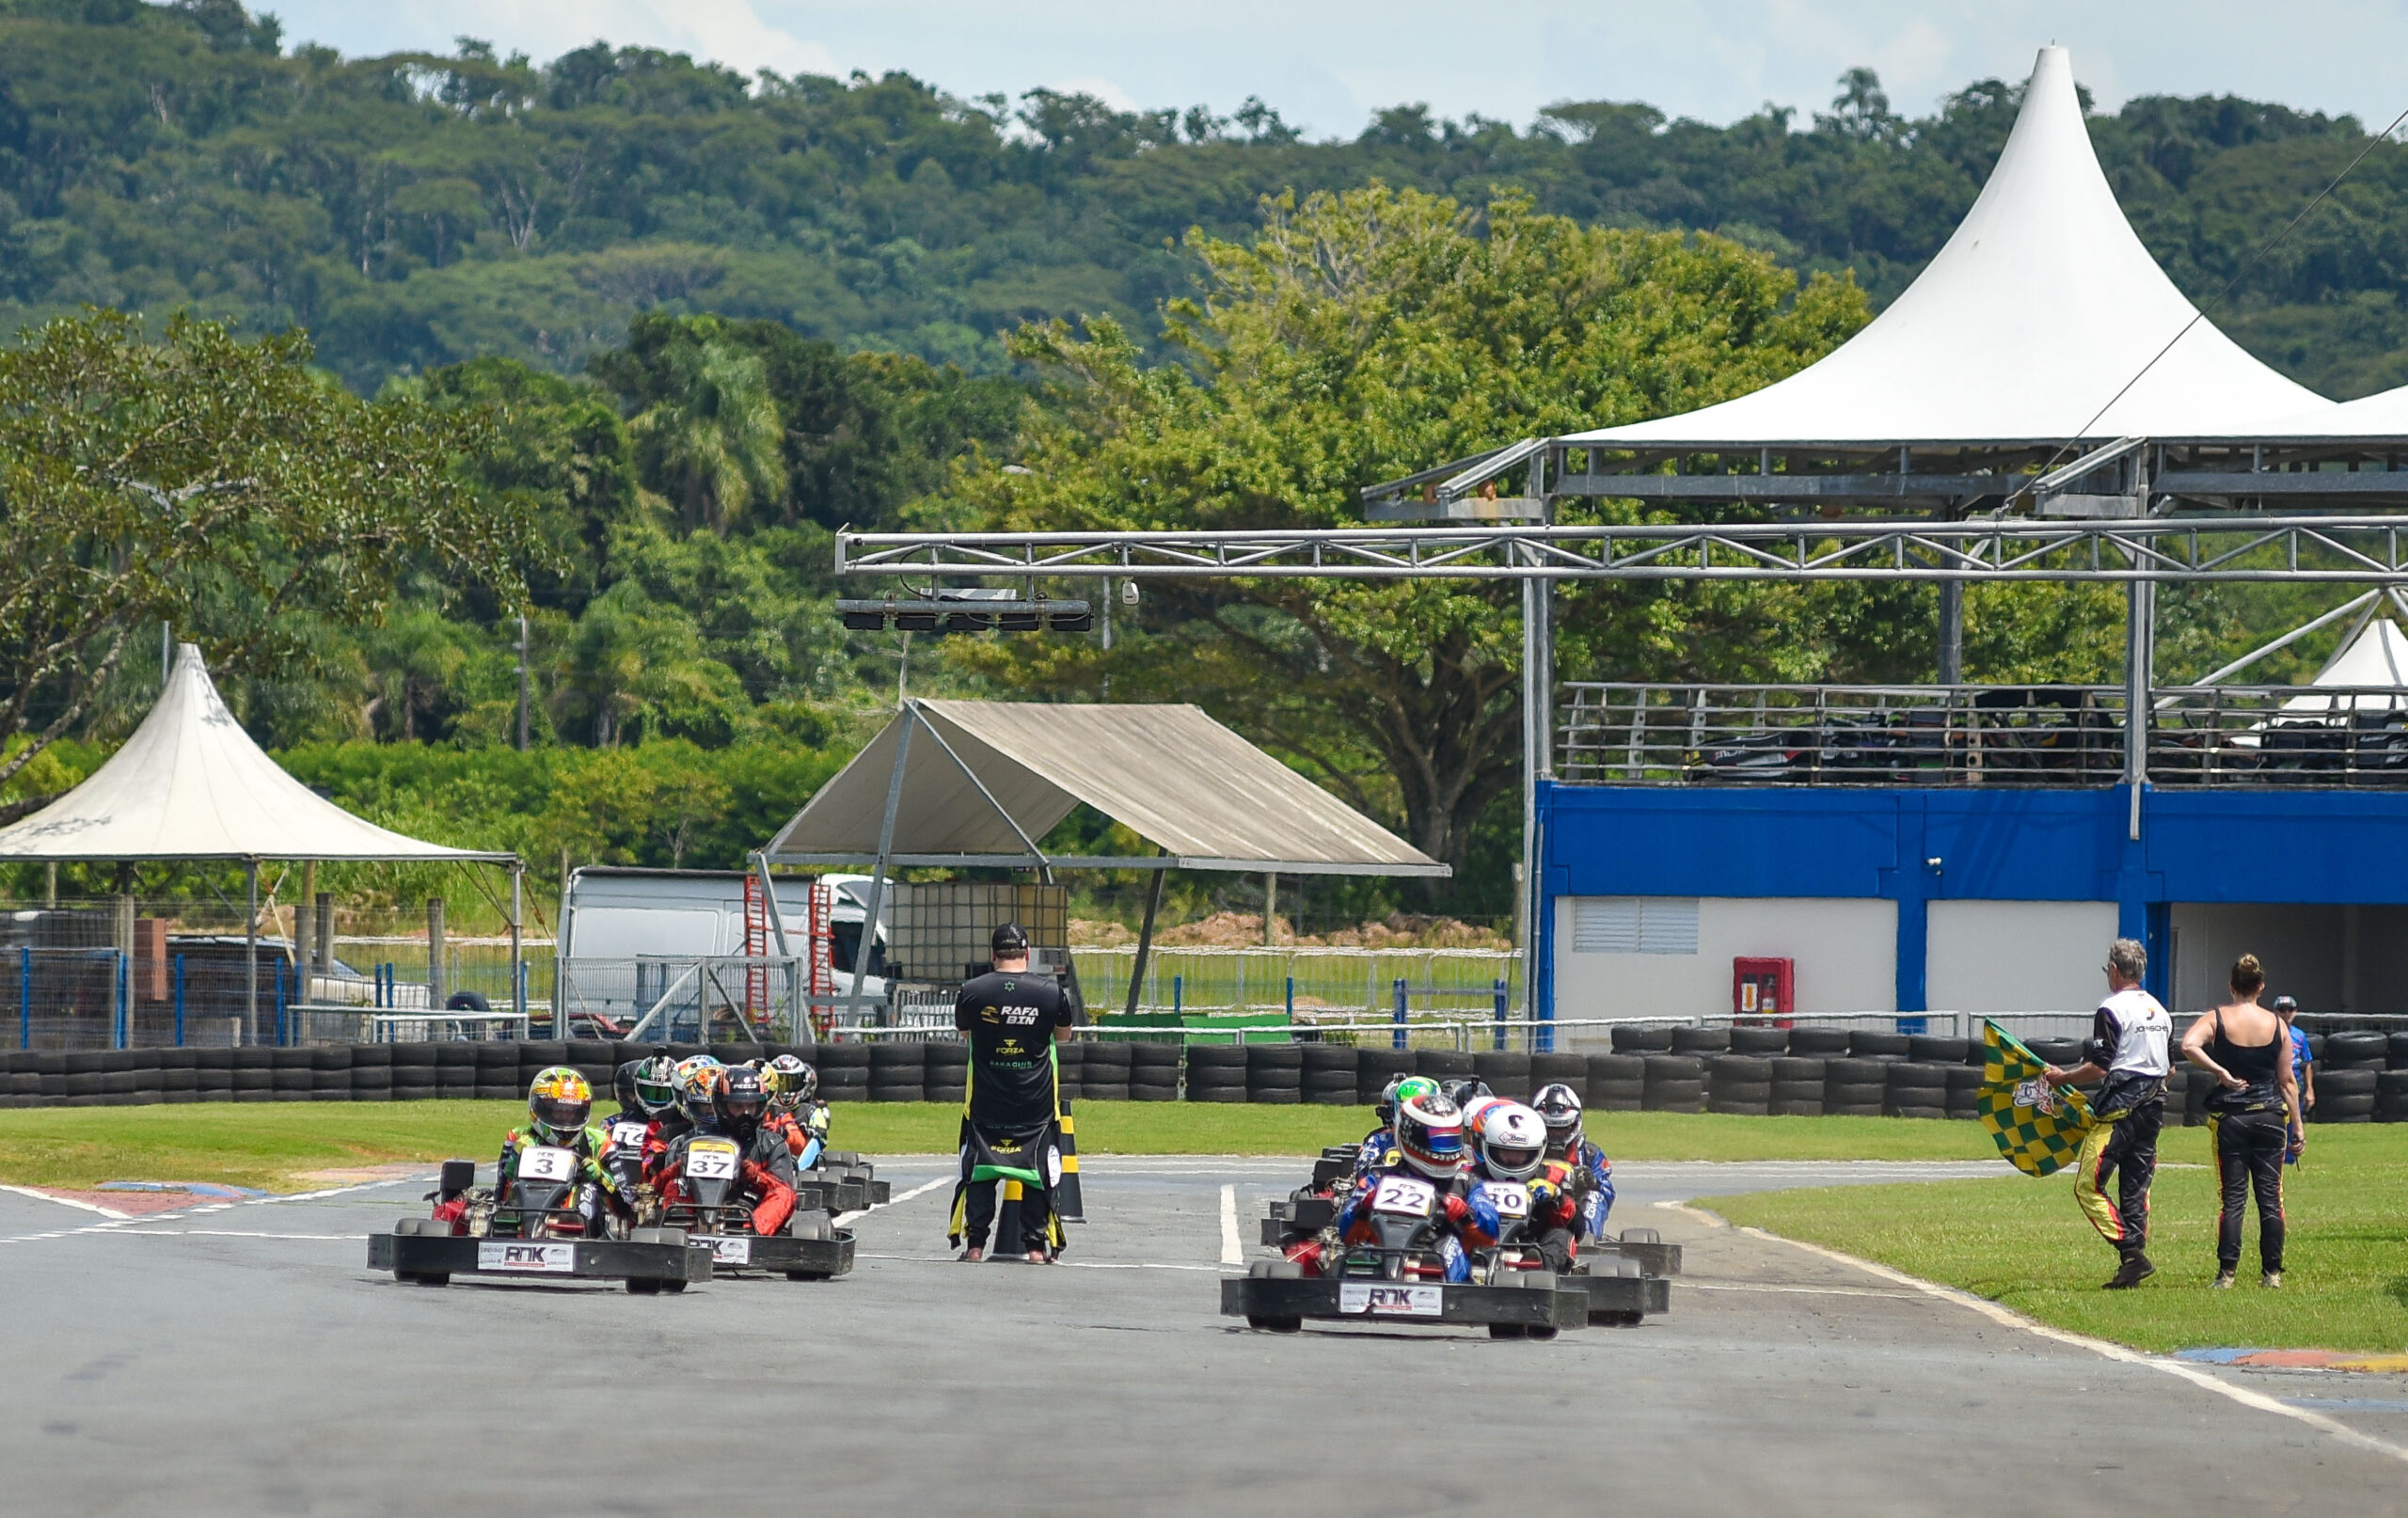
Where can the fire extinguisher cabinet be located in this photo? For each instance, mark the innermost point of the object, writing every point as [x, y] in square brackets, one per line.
[1761, 988]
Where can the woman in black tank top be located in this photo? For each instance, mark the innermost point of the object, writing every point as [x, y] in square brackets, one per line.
[2250, 1117]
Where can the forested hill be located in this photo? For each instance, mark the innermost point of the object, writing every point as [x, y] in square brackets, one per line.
[413, 210]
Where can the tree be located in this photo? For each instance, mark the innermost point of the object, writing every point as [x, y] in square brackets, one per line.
[715, 442]
[219, 486]
[1359, 336]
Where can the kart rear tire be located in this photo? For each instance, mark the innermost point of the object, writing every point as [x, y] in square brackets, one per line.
[1541, 1330]
[643, 1289]
[1276, 1325]
[673, 1287]
[809, 1275]
[1509, 1331]
[1615, 1319]
[434, 1278]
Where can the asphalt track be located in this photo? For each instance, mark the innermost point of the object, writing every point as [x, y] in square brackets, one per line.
[243, 1360]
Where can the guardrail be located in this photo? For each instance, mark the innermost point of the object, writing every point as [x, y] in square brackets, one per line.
[1955, 735]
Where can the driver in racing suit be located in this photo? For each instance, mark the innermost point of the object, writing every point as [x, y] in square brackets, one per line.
[796, 1113]
[1429, 1146]
[738, 1106]
[1575, 1188]
[646, 1088]
[1379, 1145]
[559, 1103]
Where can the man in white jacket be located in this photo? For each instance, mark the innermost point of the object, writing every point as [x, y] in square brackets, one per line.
[2128, 1049]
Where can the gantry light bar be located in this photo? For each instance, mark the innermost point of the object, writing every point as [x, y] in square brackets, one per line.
[2359, 549]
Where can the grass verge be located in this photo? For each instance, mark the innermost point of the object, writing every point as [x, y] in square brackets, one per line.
[2022, 1242]
[265, 1145]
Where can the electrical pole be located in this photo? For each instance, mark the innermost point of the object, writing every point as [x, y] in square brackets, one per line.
[522, 682]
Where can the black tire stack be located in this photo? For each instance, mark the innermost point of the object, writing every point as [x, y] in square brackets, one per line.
[1506, 1073]
[1374, 1069]
[1818, 1043]
[254, 1074]
[898, 1070]
[2349, 1082]
[1675, 1082]
[1739, 1085]
[1855, 1087]
[948, 1070]
[1442, 1065]
[1797, 1086]
[1915, 1090]
[289, 1077]
[1642, 1040]
[497, 1073]
[1153, 1071]
[538, 1056]
[1702, 1043]
[1328, 1074]
[1071, 1067]
[212, 1074]
[330, 1068]
[1106, 1075]
[1617, 1083]
[844, 1072]
[372, 1072]
[1558, 1069]
[178, 1075]
[1764, 1043]
[2391, 1096]
[1215, 1072]
[1275, 1074]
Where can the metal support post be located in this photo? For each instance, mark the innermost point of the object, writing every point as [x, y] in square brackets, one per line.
[24, 998]
[1400, 1014]
[1145, 939]
[435, 989]
[2140, 647]
[1497, 989]
[1951, 632]
[522, 682]
[125, 1028]
[251, 953]
[867, 946]
[517, 939]
[179, 1001]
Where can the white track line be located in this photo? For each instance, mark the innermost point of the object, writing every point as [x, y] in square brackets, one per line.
[896, 1201]
[1232, 1249]
[2180, 1369]
[67, 1201]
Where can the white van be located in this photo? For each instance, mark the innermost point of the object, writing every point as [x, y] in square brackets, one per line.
[608, 913]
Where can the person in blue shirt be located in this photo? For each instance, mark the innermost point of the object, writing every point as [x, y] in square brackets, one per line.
[2303, 1071]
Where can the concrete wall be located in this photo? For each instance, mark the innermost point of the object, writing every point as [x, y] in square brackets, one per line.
[2332, 958]
[2016, 956]
[1846, 951]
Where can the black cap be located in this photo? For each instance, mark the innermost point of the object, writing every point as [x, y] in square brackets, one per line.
[1008, 941]
[2284, 1004]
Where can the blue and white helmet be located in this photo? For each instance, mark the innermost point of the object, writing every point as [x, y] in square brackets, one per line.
[1513, 1141]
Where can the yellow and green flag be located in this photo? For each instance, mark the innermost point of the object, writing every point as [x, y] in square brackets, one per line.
[2038, 1124]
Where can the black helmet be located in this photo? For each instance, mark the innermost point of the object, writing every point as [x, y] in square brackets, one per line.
[622, 1085]
[739, 1099]
[1463, 1091]
[1010, 941]
[1558, 1107]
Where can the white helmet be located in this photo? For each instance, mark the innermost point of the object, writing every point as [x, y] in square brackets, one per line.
[1512, 1141]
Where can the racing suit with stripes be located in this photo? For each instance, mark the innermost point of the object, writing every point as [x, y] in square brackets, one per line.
[2131, 1032]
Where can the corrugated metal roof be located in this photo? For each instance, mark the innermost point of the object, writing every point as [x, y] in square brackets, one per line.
[190, 783]
[1170, 773]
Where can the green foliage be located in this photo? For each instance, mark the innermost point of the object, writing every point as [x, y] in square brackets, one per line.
[416, 210]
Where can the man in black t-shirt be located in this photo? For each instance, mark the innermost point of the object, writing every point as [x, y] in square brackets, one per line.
[1011, 1018]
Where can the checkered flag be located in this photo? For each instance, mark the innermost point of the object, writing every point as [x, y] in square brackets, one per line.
[2038, 1124]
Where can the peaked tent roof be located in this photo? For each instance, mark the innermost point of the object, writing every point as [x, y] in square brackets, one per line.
[2376, 659]
[2039, 309]
[1178, 779]
[190, 783]
[2380, 417]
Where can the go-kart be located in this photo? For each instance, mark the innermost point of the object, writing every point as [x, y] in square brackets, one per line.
[840, 1181]
[1399, 1275]
[715, 1211]
[531, 1231]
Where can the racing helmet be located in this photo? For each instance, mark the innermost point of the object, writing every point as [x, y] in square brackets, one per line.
[1429, 1135]
[791, 1080]
[558, 1103]
[1463, 1090]
[738, 1099]
[656, 1081]
[696, 1080]
[1512, 1141]
[1474, 1109]
[1401, 1088]
[1558, 1107]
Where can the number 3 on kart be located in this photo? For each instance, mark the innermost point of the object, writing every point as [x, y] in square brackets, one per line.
[545, 1163]
[1404, 1195]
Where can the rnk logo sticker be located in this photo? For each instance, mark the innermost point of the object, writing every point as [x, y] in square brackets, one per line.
[495, 1255]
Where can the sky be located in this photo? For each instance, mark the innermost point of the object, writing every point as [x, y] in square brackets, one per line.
[1326, 66]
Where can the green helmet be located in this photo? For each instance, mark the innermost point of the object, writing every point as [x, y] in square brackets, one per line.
[1403, 1088]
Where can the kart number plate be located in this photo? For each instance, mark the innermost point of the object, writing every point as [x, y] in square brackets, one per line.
[546, 1163]
[1404, 1196]
[1380, 1300]
[557, 1259]
[728, 1251]
[630, 1135]
[1511, 1199]
[711, 1160]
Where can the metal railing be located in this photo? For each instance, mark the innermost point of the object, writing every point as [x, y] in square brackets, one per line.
[693, 1000]
[1311, 983]
[1633, 733]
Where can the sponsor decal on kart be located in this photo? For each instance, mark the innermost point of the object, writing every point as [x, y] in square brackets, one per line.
[726, 1249]
[513, 1255]
[711, 1160]
[543, 1162]
[1406, 1196]
[1380, 1299]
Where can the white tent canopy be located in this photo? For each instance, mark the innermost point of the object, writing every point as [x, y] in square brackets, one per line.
[2032, 321]
[2375, 660]
[190, 784]
[2378, 417]
[983, 781]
